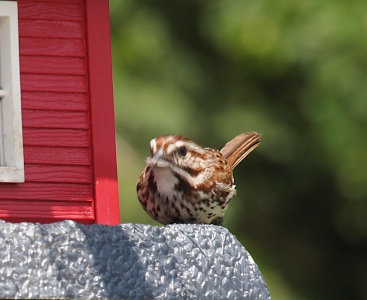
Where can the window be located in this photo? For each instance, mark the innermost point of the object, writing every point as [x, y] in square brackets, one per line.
[11, 140]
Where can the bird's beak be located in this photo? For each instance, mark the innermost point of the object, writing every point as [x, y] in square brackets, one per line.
[159, 159]
[158, 155]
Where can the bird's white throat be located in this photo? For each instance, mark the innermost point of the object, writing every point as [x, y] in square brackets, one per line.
[165, 180]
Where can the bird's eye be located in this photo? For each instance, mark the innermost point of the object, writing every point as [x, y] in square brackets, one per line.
[182, 151]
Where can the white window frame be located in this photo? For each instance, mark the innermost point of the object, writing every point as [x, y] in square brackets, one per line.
[11, 137]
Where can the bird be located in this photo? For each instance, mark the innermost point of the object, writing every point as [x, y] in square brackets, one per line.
[183, 182]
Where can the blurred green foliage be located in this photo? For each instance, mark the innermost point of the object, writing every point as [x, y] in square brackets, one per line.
[295, 71]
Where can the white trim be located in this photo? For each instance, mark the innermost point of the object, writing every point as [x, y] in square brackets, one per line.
[11, 151]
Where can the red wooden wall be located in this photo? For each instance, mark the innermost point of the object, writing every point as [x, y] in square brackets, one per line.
[67, 111]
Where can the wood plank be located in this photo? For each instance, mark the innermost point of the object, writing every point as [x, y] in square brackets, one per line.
[53, 83]
[53, 65]
[50, 1]
[56, 173]
[56, 137]
[46, 191]
[51, 29]
[102, 112]
[55, 119]
[33, 211]
[57, 155]
[55, 101]
[52, 47]
[54, 10]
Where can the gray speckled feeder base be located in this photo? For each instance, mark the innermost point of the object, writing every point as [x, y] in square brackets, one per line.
[131, 261]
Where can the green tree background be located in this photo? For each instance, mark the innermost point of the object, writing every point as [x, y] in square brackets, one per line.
[295, 71]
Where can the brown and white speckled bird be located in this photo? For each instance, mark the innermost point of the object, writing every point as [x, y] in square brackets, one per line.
[185, 183]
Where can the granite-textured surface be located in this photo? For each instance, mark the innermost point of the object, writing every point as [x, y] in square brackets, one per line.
[132, 261]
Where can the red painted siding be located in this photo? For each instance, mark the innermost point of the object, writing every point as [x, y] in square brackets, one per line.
[61, 149]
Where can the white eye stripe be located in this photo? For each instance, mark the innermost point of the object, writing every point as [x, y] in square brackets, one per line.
[170, 146]
[189, 147]
[174, 146]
